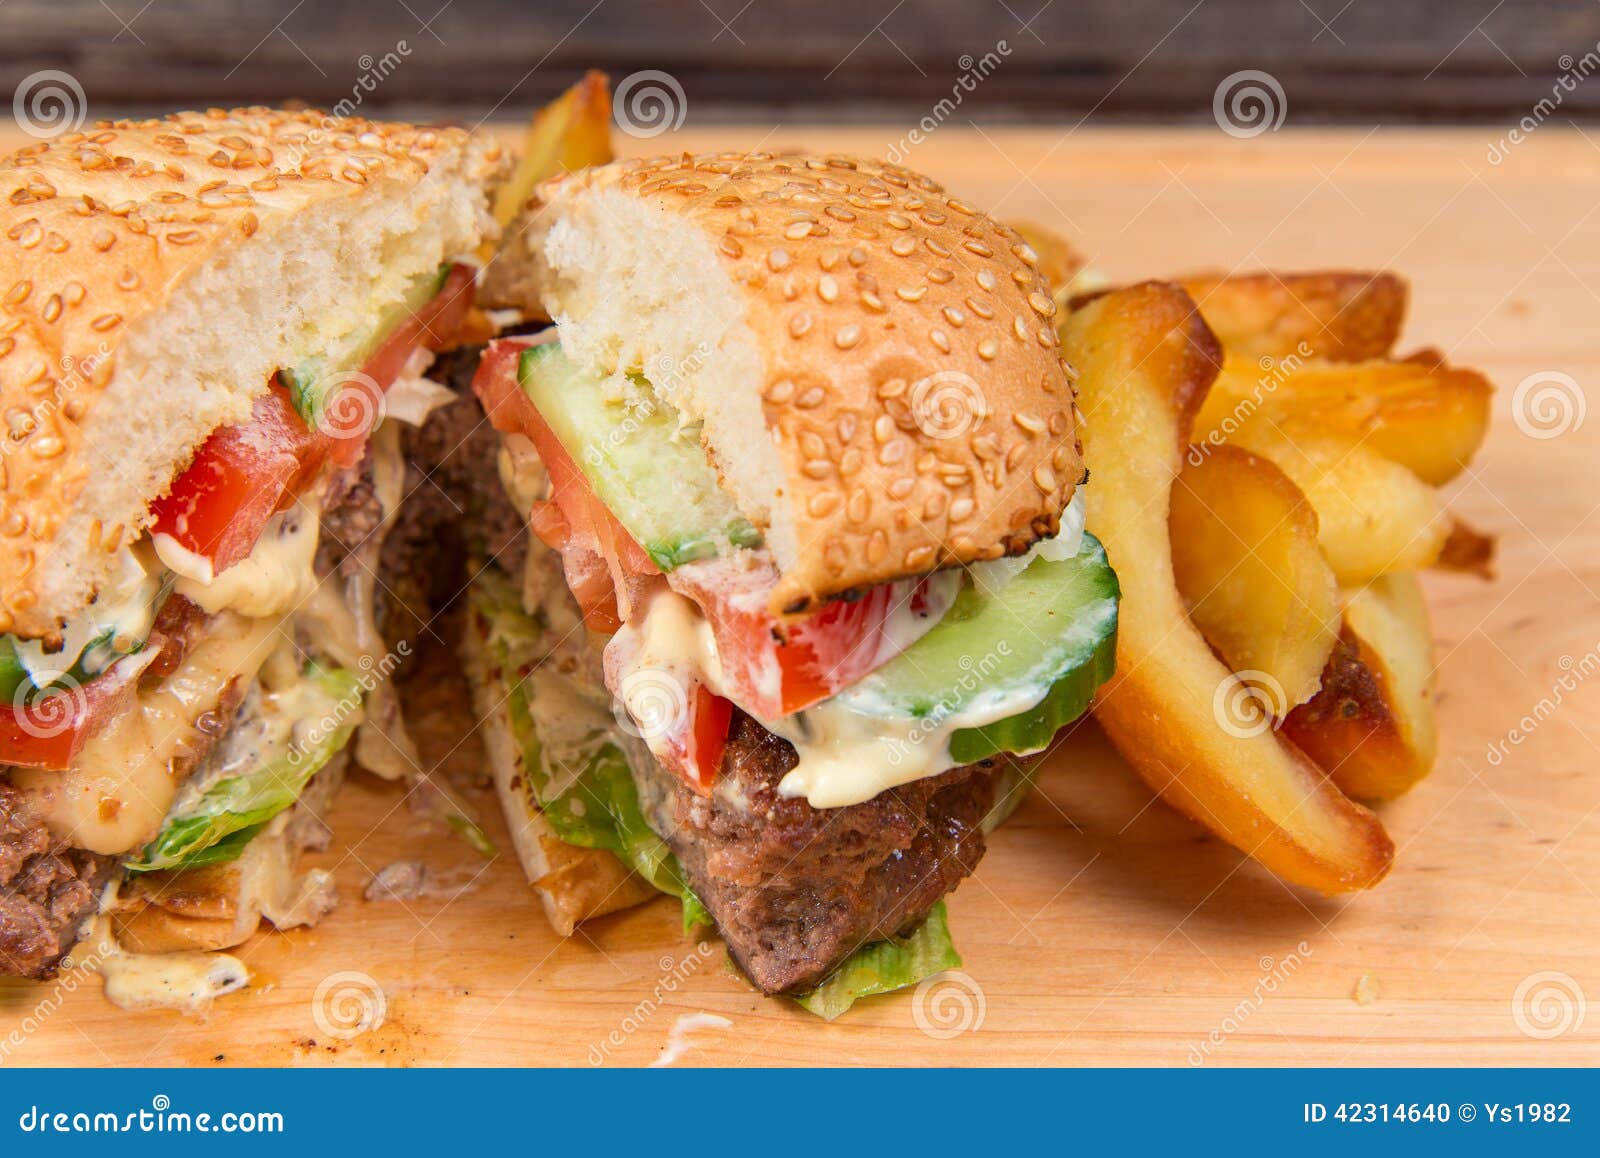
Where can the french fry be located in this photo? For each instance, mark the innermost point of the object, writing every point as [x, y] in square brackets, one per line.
[1373, 515]
[571, 132]
[1372, 726]
[1247, 562]
[1420, 413]
[1341, 316]
[1145, 360]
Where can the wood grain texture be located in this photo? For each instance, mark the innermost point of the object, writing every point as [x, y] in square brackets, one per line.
[1102, 928]
[1131, 58]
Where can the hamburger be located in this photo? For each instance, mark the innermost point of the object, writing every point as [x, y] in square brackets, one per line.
[807, 582]
[211, 329]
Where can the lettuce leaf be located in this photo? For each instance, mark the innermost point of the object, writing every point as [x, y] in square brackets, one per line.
[598, 804]
[215, 827]
[886, 966]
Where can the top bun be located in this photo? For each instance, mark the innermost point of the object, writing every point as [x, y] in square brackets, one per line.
[155, 274]
[874, 362]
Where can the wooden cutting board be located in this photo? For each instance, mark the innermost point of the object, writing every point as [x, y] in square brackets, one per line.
[1102, 928]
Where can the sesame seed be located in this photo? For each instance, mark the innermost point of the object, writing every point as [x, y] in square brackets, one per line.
[847, 337]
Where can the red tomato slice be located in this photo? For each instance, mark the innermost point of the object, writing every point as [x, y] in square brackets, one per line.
[780, 667]
[433, 326]
[605, 568]
[49, 732]
[242, 475]
[708, 737]
[239, 478]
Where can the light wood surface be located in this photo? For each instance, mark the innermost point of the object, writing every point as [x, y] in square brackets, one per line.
[1102, 928]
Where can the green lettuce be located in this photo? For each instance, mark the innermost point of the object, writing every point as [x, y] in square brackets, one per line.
[885, 966]
[598, 806]
[215, 827]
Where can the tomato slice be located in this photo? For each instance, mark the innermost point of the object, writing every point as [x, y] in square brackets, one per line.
[775, 667]
[242, 475]
[433, 326]
[606, 569]
[711, 715]
[49, 731]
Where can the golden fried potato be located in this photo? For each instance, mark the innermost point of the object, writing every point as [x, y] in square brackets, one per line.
[1245, 555]
[1372, 725]
[1373, 515]
[571, 132]
[1429, 417]
[1145, 360]
[1341, 316]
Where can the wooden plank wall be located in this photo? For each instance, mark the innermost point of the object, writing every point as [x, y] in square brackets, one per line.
[1362, 61]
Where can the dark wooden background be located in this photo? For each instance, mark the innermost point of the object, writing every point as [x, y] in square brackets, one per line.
[1360, 61]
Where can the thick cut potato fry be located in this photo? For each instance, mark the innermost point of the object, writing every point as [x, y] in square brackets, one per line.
[1373, 516]
[571, 132]
[1372, 725]
[1429, 417]
[1245, 554]
[1341, 316]
[1145, 359]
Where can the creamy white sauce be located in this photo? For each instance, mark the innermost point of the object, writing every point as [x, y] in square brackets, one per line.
[850, 747]
[992, 575]
[413, 396]
[186, 981]
[125, 608]
[678, 1042]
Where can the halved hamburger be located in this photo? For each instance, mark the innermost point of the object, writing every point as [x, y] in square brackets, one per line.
[205, 319]
[804, 445]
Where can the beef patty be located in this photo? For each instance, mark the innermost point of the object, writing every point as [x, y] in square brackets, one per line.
[46, 890]
[795, 889]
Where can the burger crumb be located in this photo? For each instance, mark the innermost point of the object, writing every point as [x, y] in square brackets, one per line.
[1366, 990]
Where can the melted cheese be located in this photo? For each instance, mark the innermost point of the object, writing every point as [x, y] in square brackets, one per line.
[117, 791]
[271, 580]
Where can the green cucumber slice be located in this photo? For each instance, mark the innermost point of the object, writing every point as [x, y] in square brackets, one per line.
[315, 380]
[650, 473]
[1052, 630]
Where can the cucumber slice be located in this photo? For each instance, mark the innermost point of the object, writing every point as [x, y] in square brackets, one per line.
[1036, 650]
[313, 382]
[650, 473]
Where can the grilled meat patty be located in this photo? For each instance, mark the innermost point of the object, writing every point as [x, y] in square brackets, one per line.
[794, 889]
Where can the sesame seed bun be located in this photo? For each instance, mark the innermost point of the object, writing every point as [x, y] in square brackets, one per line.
[155, 274]
[874, 362]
